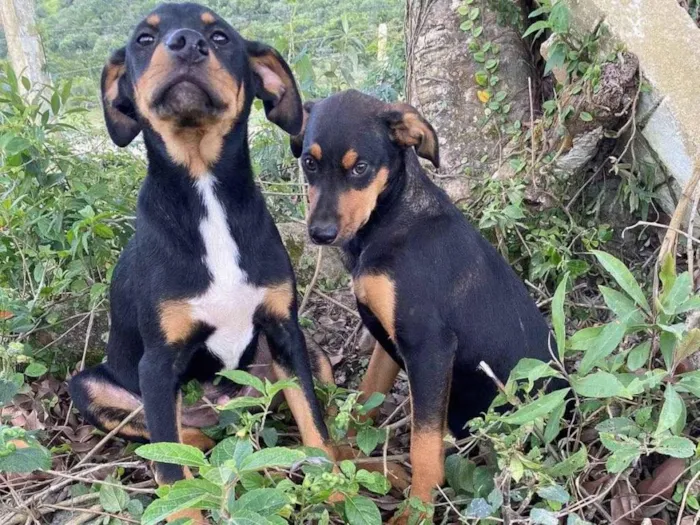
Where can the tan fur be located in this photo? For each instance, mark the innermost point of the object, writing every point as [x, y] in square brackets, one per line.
[313, 200]
[153, 20]
[427, 461]
[414, 131]
[356, 206]
[349, 159]
[377, 292]
[176, 320]
[301, 410]
[380, 376]
[193, 514]
[315, 151]
[208, 18]
[278, 300]
[196, 148]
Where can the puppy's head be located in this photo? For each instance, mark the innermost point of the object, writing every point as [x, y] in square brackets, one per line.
[188, 76]
[348, 147]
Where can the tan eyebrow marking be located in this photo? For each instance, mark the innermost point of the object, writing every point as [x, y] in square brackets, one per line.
[315, 151]
[349, 159]
[208, 18]
[153, 20]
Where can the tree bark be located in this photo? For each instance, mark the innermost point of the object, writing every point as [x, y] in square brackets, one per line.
[440, 83]
[23, 40]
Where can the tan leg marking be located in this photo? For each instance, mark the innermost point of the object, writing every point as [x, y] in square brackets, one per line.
[380, 376]
[378, 293]
[427, 461]
[176, 321]
[356, 206]
[197, 438]
[278, 300]
[301, 410]
[349, 159]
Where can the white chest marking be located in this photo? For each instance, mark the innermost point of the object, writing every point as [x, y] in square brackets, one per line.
[230, 301]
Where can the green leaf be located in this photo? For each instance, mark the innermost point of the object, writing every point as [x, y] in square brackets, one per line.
[162, 508]
[624, 452]
[554, 493]
[559, 17]
[368, 438]
[621, 305]
[459, 472]
[25, 460]
[360, 510]
[558, 317]
[538, 408]
[608, 340]
[677, 295]
[176, 453]
[479, 508]
[280, 385]
[231, 448]
[270, 436]
[244, 402]
[667, 274]
[571, 465]
[638, 356]
[585, 338]
[554, 423]
[35, 369]
[537, 26]
[693, 303]
[618, 426]
[599, 385]
[585, 116]
[676, 447]
[482, 78]
[374, 401]
[246, 517]
[671, 410]
[113, 499]
[543, 517]
[687, 346]
[373, 481]
[689, 382]
[242, 377]
[8, 389]
[274, 457]
[262, 501]
[623, 277]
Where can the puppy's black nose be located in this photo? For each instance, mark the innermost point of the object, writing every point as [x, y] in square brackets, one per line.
[188, 45]
[324, 233]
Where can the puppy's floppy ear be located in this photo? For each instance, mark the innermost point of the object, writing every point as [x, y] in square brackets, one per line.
[296, 142]
[409, 128]
[119, 110]
[275, 86]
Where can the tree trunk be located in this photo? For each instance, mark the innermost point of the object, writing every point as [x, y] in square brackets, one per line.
[441, 84]
[23, 41]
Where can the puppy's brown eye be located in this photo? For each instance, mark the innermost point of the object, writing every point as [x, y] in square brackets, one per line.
[219, 38]
[360, 168]
[309, 164]
[145, 40]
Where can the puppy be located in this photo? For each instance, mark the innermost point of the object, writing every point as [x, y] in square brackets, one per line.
[433, 292]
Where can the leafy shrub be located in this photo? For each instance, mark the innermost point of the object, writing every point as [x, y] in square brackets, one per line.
[64, 215]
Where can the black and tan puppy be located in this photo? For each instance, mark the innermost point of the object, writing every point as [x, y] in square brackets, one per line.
[433, 292]
[206, 271]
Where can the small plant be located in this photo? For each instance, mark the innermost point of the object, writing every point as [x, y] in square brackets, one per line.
[240, 480]
[626, 391]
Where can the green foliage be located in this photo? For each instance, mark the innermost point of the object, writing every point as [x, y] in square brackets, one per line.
[229, 483]
[633, 397]
[64, 212]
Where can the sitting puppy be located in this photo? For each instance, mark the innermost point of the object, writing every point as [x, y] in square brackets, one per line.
[206, 271]
[433, 292]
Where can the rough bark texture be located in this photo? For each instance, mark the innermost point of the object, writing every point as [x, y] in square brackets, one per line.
[440, 84]
[23, 40]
